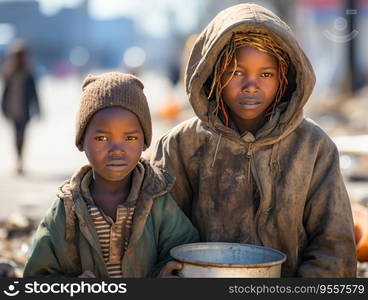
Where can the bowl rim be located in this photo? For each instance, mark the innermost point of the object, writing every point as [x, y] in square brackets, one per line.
[176, 256]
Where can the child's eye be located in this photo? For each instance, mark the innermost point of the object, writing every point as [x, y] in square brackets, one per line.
[101, 138]
[131, 138]
[238, 73]
[266, 74]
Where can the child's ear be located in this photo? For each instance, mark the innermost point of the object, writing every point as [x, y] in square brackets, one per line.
[144, 147]
[81, 142]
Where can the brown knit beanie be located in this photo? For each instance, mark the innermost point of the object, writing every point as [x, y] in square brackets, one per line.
[113, 89]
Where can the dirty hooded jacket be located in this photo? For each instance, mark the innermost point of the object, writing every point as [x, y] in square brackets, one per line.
[303, 208]
[66, 242]
[28, 105]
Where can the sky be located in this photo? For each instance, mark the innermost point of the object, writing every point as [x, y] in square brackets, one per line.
[155, 17]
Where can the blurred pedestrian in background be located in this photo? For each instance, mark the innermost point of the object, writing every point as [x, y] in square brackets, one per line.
[19, 99]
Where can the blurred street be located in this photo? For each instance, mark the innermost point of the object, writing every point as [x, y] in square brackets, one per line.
[49, 155]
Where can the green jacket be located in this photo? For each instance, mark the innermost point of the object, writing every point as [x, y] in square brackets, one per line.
[66, 242]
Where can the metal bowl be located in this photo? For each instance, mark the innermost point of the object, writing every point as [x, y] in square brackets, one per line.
[213, 259]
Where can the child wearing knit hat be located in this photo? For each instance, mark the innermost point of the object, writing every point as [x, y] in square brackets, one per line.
[114, 217]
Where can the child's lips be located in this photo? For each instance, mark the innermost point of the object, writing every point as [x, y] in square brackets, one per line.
[250, 104]
[117, 165]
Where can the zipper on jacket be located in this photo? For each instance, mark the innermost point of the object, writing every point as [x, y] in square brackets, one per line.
[249, 150]
[248, 154]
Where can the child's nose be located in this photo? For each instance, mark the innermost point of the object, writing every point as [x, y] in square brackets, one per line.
[117, 147]
[249, 85]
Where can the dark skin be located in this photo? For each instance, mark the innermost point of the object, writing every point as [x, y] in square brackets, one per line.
[108, 197]
[113, 143]
[252, 89]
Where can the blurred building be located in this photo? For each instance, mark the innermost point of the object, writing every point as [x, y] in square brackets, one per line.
[70, 38]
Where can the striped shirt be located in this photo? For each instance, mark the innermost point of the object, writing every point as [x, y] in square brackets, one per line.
[113, 236]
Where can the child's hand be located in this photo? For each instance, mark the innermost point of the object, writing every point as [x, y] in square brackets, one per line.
[87, 274]
[169, 268]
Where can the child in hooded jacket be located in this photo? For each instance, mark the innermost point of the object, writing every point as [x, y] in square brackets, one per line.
[249, 167]
[114, 217]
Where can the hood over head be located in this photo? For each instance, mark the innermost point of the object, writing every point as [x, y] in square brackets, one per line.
[245, 18]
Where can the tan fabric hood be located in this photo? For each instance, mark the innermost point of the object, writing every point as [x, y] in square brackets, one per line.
[245, 18]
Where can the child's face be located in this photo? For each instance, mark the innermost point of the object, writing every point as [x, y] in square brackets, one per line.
[253, 87]
[113, 143]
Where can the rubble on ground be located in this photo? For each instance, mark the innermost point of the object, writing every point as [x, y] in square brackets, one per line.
[362, 270]
[16, 233]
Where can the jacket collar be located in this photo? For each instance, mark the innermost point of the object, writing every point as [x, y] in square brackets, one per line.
[155, 183]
